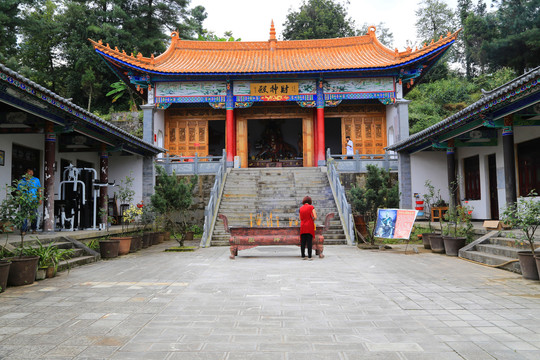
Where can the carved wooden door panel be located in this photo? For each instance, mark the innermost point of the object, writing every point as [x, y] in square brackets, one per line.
[368, 133]
[186, 137]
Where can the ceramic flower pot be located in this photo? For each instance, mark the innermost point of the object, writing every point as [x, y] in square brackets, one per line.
[124, 244]
[108, 248]
[453, 244]
[147, 239]
[22, 270]
[426, 241]
[437, 243]
[4, 272]
[135, 243]
[527, 263]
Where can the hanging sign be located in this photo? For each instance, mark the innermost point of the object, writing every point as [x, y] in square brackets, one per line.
[273, 89]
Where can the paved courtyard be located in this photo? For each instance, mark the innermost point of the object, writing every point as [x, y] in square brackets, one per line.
[268, 304]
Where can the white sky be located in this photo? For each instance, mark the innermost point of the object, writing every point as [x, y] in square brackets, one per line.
[250, 19]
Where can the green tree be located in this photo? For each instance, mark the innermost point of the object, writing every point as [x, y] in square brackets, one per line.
[378, 192]
[39, 47]
[434, 19]
[172, 198]
[318, 19]
[10, 23]
[518, 42]
[198, 15]
[478, 30]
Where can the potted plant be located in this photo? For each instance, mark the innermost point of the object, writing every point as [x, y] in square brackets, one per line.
[147, 219]
[459, 229]
[378, 192]
[171, 200]
[125, 195]
[430, 198]
[130, 215]
[526, 216]
[25, 201]
[7, 212]
[50, 256]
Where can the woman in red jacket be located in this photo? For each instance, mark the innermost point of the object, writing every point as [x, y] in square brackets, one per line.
[308, 215]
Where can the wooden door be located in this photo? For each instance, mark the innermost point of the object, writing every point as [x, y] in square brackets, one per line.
[367, 132]
[307, 141]
[186, 137]
[242, 141]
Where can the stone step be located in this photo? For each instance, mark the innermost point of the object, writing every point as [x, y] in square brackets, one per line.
[492, 259]
[512, 243]
[74, 262]
[500, 250]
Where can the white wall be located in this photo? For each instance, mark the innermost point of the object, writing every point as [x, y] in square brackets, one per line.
[481, 208]
[159, 124]
[429, 165]
[122, 166]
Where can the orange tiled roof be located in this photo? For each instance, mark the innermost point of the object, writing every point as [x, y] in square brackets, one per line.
[237, 57]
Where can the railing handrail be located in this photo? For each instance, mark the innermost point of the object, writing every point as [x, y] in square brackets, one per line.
[190, 165]
[344, 208]
[210, 211]
[359, 162]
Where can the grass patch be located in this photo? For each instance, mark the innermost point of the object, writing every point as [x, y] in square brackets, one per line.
[182, 248]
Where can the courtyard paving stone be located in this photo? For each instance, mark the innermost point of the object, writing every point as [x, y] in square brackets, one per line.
[267, 304]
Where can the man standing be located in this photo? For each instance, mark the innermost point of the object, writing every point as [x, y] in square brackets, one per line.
[349, 146]
[32, 186]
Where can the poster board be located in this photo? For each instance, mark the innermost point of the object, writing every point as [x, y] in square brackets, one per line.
[395, 223]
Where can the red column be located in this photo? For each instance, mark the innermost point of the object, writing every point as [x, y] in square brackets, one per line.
[320, 135]
[315, 153]
[50, 149]
[103, 178]
[230, 134]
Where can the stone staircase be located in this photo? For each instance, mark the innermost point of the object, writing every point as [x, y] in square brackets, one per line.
[495, 249]
[279, 191]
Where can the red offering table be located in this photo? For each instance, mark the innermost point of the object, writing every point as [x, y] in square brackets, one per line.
[249, 237]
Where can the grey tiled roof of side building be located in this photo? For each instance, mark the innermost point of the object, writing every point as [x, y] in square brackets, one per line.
[139, 142]
[486, 98]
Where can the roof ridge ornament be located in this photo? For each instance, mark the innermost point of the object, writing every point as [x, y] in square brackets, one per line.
[272, 31]
[272, 39]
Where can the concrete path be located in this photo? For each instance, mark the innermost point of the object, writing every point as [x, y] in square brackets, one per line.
[269, 304]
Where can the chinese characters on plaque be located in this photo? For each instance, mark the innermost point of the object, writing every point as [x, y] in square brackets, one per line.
[274, 89]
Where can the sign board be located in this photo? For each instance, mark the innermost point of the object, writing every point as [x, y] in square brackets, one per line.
[273, 89]
[395, 223]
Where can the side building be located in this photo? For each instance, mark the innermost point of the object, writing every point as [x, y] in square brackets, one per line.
[490, 150]
[42, 131]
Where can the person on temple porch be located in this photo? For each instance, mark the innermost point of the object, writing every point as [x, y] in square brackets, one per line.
[349, 146]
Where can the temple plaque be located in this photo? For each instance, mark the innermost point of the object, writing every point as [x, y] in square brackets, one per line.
[273, 89]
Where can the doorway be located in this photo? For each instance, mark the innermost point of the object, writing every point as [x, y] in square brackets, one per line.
[332, 135]
[216, 137]
[493, 193]
[24, 158]
[528, 154]
[274, 142]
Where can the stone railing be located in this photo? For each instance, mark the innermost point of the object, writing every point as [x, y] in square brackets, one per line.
[210, 211]
[344, 208]
[359, 162]
[191, 165]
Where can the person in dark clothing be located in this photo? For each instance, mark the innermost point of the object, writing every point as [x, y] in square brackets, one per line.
[308, 215]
